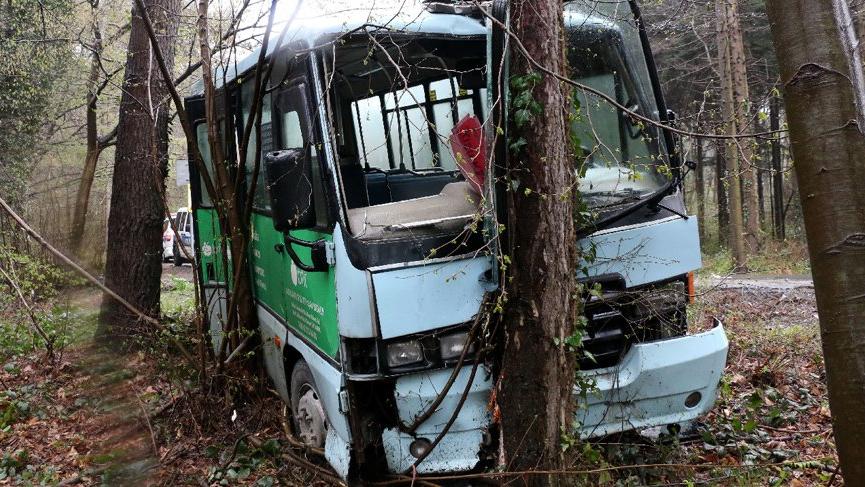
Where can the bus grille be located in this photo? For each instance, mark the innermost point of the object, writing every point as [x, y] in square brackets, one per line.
[617, 319]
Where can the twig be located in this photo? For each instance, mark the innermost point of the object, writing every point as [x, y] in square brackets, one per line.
[600, 94]
[834, 474]
[801, 432]
[49, 342]
[161, 409]
[594, 471]
[149, 425]
[293, 441]
[453, 417]
[80, 476]
[237, 350]
[303, 463]
[230, 458]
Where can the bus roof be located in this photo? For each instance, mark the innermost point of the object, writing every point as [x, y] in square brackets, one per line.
[302, 35]
[411, 19]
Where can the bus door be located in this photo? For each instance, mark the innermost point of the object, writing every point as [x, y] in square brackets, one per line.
[265, 256]
[208, 239]
[308, 301]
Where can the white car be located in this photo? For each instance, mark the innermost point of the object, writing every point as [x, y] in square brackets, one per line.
[183, 221]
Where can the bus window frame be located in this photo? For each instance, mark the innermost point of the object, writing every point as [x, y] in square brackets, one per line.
[298, 72]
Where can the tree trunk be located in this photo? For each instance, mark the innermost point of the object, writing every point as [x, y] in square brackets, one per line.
[538, 369]
[721, 194]
[777, 172]
[82, 199]
[760, 196]
[733, 176]
[700, 183]
[820, 85]
[134, 254]
[741, 121]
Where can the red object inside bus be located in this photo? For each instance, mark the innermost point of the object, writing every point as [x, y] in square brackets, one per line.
[467, 143]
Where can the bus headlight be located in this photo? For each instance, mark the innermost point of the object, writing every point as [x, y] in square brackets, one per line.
[404, 353]
[452, 345]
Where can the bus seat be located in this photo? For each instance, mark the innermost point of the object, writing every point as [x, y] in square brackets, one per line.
[449, 211]
[354, 185]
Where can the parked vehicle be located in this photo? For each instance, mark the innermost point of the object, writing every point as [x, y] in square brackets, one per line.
[184, 223]
[370, 249]
[168, 239]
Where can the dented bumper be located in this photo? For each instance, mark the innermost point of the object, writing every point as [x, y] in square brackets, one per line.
[656, 384]
[459, 449]
[648, 388]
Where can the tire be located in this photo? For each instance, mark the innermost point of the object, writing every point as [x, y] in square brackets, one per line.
[310, 421]
[178, 257]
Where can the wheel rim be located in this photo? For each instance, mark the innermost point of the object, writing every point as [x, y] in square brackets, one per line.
[311, 423]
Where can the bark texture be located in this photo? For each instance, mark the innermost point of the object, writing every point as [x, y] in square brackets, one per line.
[829, 150]
[538, 370]
[134, 253]
[721, 194]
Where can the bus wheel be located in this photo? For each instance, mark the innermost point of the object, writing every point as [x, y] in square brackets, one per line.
[310, 422]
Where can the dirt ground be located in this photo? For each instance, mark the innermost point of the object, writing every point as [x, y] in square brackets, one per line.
[90, 418]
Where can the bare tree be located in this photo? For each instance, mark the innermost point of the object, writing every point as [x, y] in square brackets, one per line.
[737, 77]
[700, 186]
[821, 77]
[730, 115]
[95, 143]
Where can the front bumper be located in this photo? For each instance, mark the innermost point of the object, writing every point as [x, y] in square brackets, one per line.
[460, 447]
[650, 385]
[648, 388]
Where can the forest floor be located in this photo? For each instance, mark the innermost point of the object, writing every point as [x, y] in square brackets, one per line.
[89, 418]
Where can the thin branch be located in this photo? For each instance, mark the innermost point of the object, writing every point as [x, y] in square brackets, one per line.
[77, 268]
[49, 342]
[612, 101]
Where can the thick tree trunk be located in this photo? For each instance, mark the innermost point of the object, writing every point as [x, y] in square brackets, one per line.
[733, 175]
[760, 196]
[538, 369]
[829, 149]
[134, 255]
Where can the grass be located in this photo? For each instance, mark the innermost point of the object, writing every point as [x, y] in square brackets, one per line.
[178, 298]
[777, 258]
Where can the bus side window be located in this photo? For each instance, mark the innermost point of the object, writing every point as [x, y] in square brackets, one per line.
[296, 132]
[204, 148]
[260, 198]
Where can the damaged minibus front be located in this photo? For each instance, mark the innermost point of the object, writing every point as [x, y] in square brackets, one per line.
[374, 227]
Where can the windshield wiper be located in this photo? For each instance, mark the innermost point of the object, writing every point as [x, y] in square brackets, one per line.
[621, 196]
[651, 200]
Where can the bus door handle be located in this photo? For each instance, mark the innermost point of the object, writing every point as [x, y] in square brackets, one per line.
[318, 249]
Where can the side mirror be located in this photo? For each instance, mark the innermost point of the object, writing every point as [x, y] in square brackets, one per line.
[288, 175]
